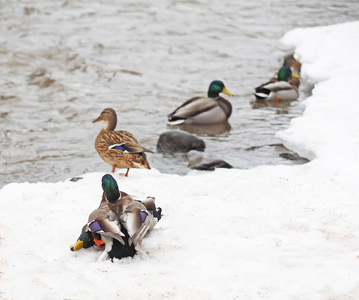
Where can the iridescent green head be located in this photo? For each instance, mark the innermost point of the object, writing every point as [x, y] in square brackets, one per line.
[284, 74]
[217, 87]
[85, 240]
[110, 188]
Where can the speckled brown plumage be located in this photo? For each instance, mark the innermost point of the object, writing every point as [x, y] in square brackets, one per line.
[119, 148]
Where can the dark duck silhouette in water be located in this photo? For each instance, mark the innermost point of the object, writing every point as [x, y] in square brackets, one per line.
[204, 110]
[119, 148]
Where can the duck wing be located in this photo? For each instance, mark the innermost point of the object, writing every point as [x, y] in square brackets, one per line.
[129, 147]
[137, 220]
[262, 86]
[155, 211]
[192, 107]
[149, 203]
[278, 86]
[105, 222]
[118, 137]
[264, 90]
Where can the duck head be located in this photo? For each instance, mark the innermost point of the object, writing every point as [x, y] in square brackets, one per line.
[284, 74]
[108, 115]
[110, 188]
[217, 87]
[85, 240]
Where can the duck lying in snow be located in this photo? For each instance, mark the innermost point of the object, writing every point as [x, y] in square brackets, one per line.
[119, 224]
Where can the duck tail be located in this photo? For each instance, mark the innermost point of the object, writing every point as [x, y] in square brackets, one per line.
[261, 93]
[175, 121]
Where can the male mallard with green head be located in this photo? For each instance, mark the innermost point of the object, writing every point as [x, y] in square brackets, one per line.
[132, 214]
[279, 90]
[119, 224]
[202, 110]
[103, 226]
[119, 148]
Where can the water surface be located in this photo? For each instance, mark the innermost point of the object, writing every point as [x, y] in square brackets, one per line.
[62, 62]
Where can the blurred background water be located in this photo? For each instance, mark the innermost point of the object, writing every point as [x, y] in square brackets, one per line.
[62, 62]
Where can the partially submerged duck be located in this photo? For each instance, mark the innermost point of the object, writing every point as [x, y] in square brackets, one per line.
[119, 148]
[278, 90]
[204, 110]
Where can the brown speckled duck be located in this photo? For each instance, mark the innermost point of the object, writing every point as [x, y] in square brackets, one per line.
[295, 66]
[119, 148]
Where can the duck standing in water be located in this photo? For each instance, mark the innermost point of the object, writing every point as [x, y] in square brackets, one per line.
[204, 110]
[119, 148]
[278, 90]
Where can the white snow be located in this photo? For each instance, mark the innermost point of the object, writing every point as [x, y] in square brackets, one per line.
[272, 232]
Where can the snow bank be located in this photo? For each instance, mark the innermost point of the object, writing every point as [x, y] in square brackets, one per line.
[283, 232]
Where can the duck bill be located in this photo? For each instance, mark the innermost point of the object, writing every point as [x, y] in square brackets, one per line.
[295, 75]
[296, 63]
[97, 120]
[225, 91]
[77, 246]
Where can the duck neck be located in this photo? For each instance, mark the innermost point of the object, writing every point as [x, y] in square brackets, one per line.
[111, 123]
[213, 94]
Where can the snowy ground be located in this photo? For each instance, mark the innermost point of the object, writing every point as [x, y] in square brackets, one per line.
[282, 232]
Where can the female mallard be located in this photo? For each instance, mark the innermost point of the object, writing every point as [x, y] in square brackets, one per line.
[279, 90]
[119, 148]
[202, 110]
[295, 66]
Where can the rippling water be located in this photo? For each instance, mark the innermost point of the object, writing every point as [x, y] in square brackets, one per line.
[62, 62]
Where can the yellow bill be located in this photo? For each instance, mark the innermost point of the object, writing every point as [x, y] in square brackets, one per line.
[225, 91]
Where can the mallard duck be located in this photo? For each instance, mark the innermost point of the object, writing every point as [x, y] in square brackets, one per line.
[119, 148]
[119, 224]
[132, 214]
[295, 66]
[104, 225]
[116, 249]
[290, 62]
[113, 247]
[280, 90]
[202, 110]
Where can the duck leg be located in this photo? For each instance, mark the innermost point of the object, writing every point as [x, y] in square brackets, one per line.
[113, 168]
[128, 169]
